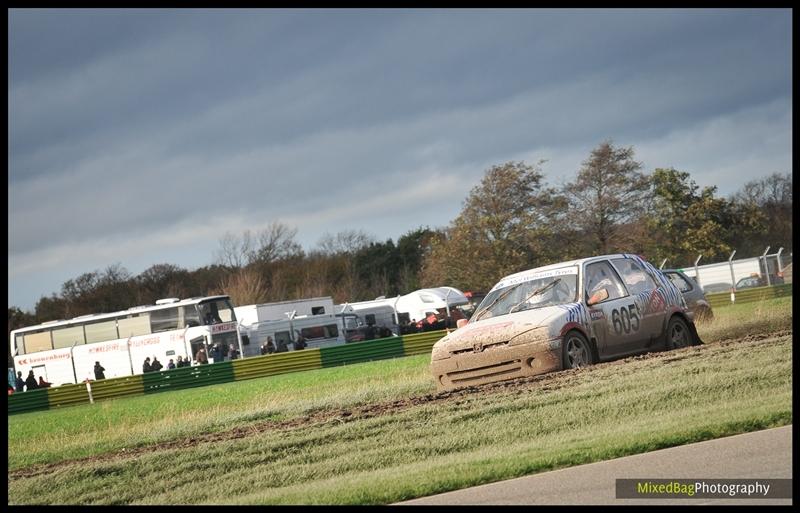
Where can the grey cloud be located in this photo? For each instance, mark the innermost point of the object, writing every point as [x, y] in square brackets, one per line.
[275, 114]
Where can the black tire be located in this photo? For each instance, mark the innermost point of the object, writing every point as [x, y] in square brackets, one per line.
[576, 351]
[678, 334]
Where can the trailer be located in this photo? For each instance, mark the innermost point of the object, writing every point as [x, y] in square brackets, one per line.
[285, 321]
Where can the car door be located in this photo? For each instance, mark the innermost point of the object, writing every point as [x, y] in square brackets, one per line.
[615, 320]
[648, 305]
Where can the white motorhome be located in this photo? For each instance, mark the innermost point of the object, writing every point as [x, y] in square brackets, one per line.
[283, 321]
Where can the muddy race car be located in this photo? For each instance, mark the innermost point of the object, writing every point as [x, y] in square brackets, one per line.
[564, 316]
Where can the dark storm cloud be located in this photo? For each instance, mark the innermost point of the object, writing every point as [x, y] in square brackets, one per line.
[146, 125]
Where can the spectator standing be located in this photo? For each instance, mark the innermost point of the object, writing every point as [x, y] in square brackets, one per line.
[43, 383]
[146, 365]
[233, 352]
[216, 352]
[99, 371]
[171, 364]
[19, 384]
[282, 348]
[156, 365]
[201, 357]
[299, 342]
[30, 382]
[226, 354]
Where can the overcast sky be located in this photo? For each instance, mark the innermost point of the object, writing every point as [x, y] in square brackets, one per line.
[141, 136]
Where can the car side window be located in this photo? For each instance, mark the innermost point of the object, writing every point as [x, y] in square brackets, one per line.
[600, 275]
[635, 278]
[680, 282]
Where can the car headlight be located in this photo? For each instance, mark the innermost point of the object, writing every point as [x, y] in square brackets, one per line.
[439, 352]
[531, 336]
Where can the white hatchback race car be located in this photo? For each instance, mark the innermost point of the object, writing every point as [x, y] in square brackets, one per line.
[564, 316]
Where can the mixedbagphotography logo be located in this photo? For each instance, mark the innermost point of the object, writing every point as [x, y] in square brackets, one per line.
[704, 488]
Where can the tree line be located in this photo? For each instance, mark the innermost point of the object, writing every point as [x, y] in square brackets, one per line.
[510, 221]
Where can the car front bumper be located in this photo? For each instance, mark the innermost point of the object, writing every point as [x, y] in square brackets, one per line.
[495, 364]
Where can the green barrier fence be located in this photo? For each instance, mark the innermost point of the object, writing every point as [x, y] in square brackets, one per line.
[421, 343]
[28, 401]
[187, 377]
[749, 295]
[280, 363]
[224, 372]
[362, 351]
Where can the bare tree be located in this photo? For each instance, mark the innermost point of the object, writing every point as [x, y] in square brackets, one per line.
[245, 287]
[276, 242]
[235, 251]
[346, 241]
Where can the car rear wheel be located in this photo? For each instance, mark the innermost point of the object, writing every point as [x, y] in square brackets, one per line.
[577, 351]
[678, 334]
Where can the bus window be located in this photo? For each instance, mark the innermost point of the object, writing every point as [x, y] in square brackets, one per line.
[164, 320]
[67, 336]
[101, 331]
[216, 311]
[191, 316]
[38, 341]
[134, 325]
[20, 344]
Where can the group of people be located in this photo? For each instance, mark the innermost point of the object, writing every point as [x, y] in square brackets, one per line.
[28, 384]
[154, 365]
[269, 346]
[220, 352]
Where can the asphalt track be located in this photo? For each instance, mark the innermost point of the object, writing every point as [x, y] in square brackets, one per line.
[759, 455]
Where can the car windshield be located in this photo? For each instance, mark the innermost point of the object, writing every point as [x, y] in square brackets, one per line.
[529, 290]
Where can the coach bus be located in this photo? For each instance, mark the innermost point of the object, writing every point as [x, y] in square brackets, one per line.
[65, 351]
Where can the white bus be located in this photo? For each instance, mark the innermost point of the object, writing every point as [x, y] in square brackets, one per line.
[65, 351]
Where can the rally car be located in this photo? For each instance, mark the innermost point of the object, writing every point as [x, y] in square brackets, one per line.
[564, 316]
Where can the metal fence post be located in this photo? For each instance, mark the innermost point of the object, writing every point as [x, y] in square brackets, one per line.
[72, 359]
[733, 278]
[396, 316]
[447, 307]
[89, 389]
[766, 266]
[697, 271]
[780, 264]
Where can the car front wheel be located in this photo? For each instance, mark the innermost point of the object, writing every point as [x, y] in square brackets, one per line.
[678, 334]
[577, 352]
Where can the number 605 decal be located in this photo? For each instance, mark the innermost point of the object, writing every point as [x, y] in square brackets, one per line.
[625, 319]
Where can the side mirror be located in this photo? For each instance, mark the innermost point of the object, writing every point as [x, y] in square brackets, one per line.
[461, 323]
[600, 295]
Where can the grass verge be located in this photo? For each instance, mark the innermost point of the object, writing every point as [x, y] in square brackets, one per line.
[607, 411]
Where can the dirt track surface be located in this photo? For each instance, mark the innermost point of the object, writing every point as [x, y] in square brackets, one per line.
[545, 382]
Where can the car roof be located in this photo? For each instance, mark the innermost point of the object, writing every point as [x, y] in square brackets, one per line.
[568, 263]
